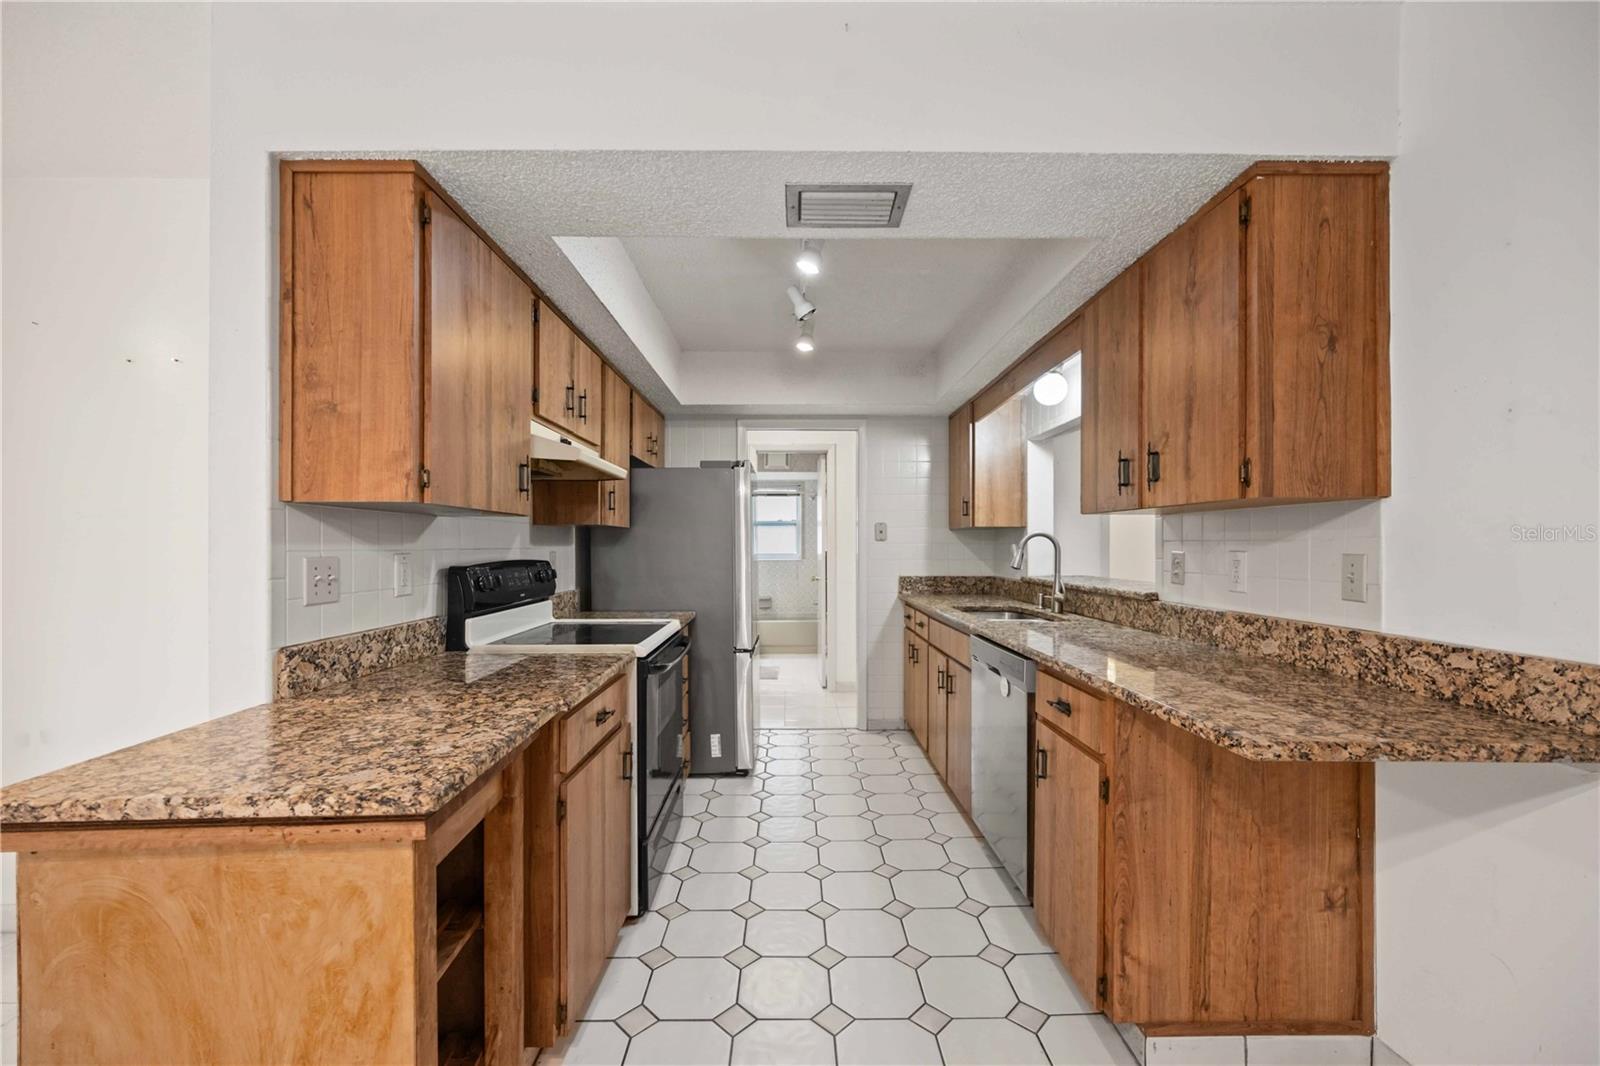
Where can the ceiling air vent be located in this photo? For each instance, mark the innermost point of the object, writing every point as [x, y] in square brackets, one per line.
[846, 206]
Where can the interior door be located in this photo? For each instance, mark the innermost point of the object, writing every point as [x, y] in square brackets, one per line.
[1194, 362]
[1113, 454]
[1068, 827]
[824, 543]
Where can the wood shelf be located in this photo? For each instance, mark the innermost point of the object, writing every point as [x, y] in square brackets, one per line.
[456, 927]
[459, 1049]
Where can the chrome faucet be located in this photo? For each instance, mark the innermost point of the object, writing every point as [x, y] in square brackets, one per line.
[1058, 598]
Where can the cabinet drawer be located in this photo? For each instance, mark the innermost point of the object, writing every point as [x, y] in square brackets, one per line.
[1077, 712]
[918, 623]
[588, 725]
[951, 641]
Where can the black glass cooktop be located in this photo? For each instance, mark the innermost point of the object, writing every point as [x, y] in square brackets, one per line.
[584, 633]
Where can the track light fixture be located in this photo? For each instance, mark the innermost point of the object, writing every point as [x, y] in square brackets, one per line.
[806, 343]
[803, 308]
[810, 261]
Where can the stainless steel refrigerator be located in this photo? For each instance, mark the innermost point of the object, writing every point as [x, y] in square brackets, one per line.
[689, 549]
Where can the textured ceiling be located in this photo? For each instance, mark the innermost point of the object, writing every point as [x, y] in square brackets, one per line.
[722, 294]
[1121, 204]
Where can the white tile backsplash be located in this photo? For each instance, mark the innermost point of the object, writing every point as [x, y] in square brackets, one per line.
[1294, 556]
[365, 542]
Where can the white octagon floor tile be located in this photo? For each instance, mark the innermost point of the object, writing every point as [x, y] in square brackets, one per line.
[783, 988]
[836, 785]
[990, 1043]
[914, 854]
[886, 1043]
[784, 933]
[902, 827]
[692, 988]
[1085, 1040]
[787, 786]
[887, 783]
[879, 766]
[728, 829]
[938, 803]
[679, 1044]
[945, 932]
[783, 1043]
[620, 990]
[994, 887]
[786, 857]
[788, 828]
[834, 767]
[895, 803]
[783, 750]
[785, 891]
[714, 892]
[722, 858]
[928, 888]
[734, 806]
[1012, 928]
[788, 767]
[643, 935]
[859, 933]
[846, 828]
[970, 852]
[1041, 981]
[594, 1044]
[787, 806]
[841, 805]
[850, 855]
[952, 825]
[704, 933]
[856, 891]
[876, 988]
[966, 988]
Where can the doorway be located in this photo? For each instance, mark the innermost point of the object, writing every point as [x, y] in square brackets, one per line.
[804, 540]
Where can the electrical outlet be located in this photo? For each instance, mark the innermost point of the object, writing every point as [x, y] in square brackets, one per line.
[321, 580]
[716, 745]
[402, 573]
[880, 531]
[1175, 568]
[1353, 578]
[1238, 571]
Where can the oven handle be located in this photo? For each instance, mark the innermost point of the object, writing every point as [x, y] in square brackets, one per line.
[661, 668]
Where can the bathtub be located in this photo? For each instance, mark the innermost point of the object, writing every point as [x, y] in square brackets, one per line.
[787, 634]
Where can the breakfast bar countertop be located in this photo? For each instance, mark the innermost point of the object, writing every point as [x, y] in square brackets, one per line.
[1258, 708]
[399, 743]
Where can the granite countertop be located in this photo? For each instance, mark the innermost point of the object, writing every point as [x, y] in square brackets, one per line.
[400, 743]
[1260, 709]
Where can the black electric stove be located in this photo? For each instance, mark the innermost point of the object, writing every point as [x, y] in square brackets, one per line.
[584, 633]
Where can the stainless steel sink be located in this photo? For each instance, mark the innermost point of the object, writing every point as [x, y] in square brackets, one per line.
[996, 614]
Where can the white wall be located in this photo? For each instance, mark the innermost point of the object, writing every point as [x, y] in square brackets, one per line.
[1488, 930]
[104, 381]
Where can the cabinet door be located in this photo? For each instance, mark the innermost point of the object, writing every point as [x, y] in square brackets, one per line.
[580, 503]
[1068, 827]
[1113, 463]
[999, 468]
[1194, 361]
[961, 468]
[588, 388]
[459, 360]
[958, 733]
[586, 868]
[649, 429]
[558, 403]
[936, 673]
[510, 309]
[616, 426]
[915, 692]
[617, 754]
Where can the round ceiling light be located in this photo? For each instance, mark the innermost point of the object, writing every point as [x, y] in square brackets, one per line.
[806, 342]
[810, 261]
[1051, 388]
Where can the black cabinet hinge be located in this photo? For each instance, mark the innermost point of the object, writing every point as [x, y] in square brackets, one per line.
[536, 396]
[1105, 790]
[1244, 473]
[536, 312]
[424, 477]
[561, 811]
[1244, 211]
[426, 213]
[1100, 986]
[561, 1014]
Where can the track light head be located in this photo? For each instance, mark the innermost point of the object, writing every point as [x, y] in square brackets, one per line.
[803, 308]
[806, 343]
[810, 261]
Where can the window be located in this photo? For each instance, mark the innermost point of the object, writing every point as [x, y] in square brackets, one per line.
[777, 522]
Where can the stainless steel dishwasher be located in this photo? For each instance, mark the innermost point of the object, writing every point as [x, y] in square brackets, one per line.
[1002, 684]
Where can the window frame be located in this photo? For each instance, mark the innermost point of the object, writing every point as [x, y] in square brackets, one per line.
[794, 525]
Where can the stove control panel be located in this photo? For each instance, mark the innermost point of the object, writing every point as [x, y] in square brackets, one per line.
[484, 588]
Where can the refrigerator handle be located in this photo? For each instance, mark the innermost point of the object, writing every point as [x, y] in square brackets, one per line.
[751, 650]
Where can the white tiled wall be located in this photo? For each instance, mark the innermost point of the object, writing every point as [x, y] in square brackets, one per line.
[365, 542]
[1294, 560]
[691, 440]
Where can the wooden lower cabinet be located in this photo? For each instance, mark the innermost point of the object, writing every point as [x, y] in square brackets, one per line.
[938, 709]
[937, 721]
[957, 768]
[915, 697]
[1213, 894]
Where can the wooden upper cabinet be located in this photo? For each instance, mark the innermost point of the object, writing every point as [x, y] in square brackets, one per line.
[1113, 460]
[404, 345]
[616, 433]
[586, 386]
[558, 393]
[999, 468]
[649, 433]
[961, 467]
[1194, 361]
[1316, 283]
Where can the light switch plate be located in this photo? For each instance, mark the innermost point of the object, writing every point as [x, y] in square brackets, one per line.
[402, 573]
[1238, 571]
[880, 531]
[1353, 578]
[1175, 568]
[321, 580]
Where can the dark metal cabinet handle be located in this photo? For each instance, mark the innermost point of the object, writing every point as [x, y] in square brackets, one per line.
[1124, 472]
[940, 684]
[919, 623]
[965, 507]
[583, 406]
[1064, 706]
[911, 653]
[604, 716]
[1152, 465]
[1043, 769]
[522, 479]
[567, 405]
[611, 499]
[627, 765]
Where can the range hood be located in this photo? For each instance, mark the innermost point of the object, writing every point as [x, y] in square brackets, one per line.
[554, 457]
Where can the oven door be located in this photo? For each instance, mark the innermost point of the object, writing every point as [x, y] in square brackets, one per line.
[661, 728]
